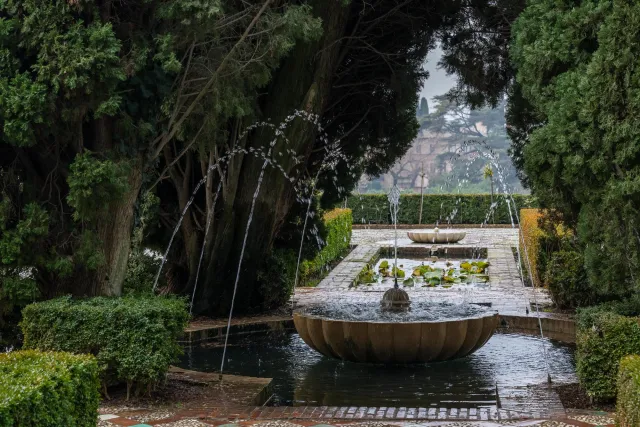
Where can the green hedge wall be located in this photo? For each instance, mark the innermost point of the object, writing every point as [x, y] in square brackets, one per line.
[468, 208]
[48, 389]
[338, 224]
[133, 339]
[628, 399]
[603, 339]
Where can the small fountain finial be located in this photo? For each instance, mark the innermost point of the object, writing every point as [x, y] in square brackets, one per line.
[395, 299]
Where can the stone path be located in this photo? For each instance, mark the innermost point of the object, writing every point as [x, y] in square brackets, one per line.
[506, 292]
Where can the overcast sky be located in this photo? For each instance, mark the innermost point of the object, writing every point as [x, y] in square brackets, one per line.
[438, 82]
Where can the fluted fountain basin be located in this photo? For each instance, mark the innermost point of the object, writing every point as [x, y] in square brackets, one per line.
[433, 236]
[429, 333]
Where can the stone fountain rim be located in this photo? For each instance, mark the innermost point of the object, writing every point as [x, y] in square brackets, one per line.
[431, 230]
[489, 313]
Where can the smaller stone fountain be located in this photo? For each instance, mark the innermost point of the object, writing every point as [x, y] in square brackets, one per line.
[436, 236]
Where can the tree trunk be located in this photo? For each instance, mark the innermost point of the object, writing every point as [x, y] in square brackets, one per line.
[302, 83]
[115, 233]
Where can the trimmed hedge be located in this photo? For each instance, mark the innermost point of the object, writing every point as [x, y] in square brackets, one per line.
[566, 279]
[628, 399]
[531, 235]
[48, 389]
[338, 224]
[603, 339]
[459, 208]
[133, 339]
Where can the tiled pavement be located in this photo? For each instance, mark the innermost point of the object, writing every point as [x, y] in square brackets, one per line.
[351, 416]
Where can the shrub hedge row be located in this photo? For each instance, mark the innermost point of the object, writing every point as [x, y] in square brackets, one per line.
[48, 389]
[628, 399]
[442, 208]
[603, 339]
[338, 224]
[133, 339]
[531, 235]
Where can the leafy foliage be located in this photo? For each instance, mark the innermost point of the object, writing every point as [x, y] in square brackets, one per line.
[93, 183]
[47, 388]
[628, 397]
[90, 93]
[603, 339]
[566, 280]
[276, 278]
[133, 339]
[577, 70]
[476, 139]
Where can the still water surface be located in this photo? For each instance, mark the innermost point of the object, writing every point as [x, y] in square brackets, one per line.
[302, 376]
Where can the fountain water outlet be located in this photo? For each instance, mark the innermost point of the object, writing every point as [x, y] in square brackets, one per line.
[395, 299]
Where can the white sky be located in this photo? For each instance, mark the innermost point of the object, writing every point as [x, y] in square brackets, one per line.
[438, 82]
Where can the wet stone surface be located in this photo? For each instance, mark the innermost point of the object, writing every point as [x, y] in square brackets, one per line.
[420, 311]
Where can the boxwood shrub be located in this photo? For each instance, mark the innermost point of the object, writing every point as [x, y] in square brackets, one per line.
[48, 389]
[468, 208]
[338, 224]
[628, 399]
[603, 339]
[133, 339]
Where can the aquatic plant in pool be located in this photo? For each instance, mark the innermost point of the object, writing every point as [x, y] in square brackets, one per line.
[426, 273]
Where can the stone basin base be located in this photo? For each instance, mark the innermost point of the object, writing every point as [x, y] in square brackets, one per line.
[442, 236]
[395, 342]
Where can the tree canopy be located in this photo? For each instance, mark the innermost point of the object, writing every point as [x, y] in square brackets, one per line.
[578, 75]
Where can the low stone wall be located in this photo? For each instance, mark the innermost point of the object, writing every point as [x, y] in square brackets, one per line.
[217, 330]
[556, 328]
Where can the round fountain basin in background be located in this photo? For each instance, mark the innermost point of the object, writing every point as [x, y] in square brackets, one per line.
[441, 236]
[395, 342]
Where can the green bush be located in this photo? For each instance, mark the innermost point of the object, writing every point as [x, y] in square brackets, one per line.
[48, 389]
[275, 278]
[337, 224]
[603, 339]
[458, 208]
[133, 339]
[628, 398]
[566, 279]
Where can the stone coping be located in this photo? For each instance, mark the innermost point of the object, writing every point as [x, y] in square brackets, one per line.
[259, 390]
[557, 327]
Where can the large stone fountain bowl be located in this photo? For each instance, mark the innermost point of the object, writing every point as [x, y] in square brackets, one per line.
[433, 236]
[395, 342]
